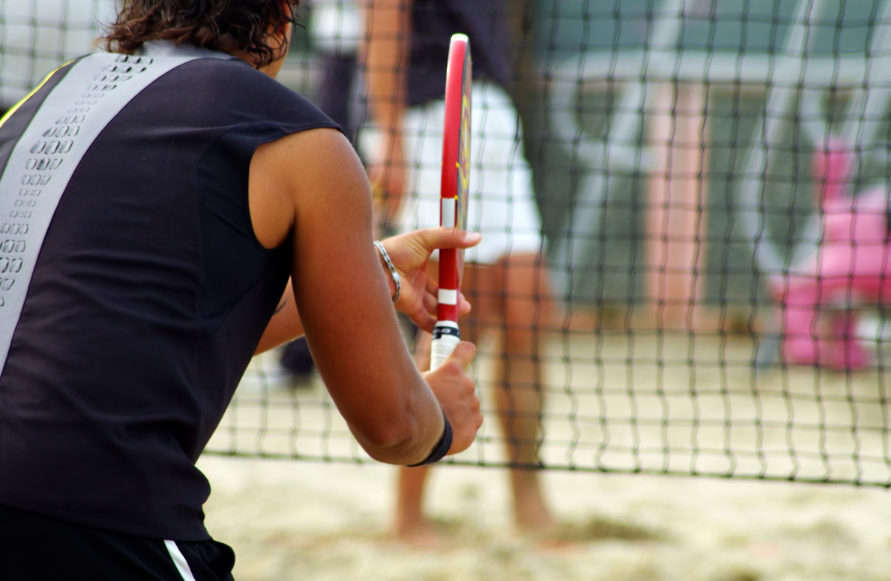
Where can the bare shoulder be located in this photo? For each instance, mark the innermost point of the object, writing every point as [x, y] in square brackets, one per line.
[297, 173]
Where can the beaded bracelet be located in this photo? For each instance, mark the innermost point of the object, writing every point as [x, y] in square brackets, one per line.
[396, 279]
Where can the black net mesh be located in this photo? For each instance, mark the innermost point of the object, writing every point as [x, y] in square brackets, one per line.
[36, 36]
[711, 178]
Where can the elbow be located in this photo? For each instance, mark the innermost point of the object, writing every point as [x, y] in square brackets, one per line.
[391, 446]
[400, 443]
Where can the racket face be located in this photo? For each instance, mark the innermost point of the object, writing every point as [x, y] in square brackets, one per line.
[455, 164]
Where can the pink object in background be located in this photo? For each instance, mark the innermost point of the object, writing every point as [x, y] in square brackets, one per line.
[851, 265]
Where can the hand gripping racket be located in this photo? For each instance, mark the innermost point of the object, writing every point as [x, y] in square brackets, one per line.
[453, 202]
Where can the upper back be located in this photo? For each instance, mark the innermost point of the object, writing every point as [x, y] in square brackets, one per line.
[148, 296]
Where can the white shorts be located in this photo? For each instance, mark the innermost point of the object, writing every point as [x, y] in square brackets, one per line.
[501, 200]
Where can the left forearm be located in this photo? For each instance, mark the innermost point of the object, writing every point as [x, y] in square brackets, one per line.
[409, 254]
[285, 324]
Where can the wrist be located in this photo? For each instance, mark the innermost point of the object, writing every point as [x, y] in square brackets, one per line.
[442, 448]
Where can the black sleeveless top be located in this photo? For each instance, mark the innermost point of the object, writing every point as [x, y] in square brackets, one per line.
[148, 299]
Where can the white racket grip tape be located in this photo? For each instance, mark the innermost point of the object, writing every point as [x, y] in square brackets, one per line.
[441, 349]
[446, 337]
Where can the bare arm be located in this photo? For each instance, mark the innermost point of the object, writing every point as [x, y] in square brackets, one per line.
[311, 186]
[387, 44]
[410, 253]
[285, 324]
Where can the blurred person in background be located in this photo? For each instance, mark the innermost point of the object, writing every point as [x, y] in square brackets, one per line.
[335, 29]
[406, 54]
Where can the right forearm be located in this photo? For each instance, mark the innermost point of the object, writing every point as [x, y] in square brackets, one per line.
[409, 438]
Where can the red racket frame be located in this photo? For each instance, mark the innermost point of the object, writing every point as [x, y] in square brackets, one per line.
[455, 171]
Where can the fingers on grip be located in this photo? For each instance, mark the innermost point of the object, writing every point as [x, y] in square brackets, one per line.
[463, 354]
[449, 238]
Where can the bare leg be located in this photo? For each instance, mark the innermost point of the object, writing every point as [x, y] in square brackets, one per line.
[514, 299]
[526, 311]
[409, 524]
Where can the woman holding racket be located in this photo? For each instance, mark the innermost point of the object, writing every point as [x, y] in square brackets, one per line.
[406, 54]
[154, 202]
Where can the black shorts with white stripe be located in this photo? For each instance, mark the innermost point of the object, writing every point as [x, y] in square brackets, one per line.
[35, 547]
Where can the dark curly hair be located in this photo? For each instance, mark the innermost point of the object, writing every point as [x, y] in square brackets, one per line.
[223, 25]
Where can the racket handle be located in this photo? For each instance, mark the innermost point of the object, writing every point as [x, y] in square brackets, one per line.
[445, 338]
[441, 349]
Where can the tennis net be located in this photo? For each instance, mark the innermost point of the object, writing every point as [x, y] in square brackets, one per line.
[711, 178]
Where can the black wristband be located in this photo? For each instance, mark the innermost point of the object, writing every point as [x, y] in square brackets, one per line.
[442, 448]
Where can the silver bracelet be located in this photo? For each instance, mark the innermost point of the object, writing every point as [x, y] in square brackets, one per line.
[396, 279]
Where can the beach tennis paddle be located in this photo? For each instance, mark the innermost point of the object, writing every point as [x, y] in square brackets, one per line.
[453, 195]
